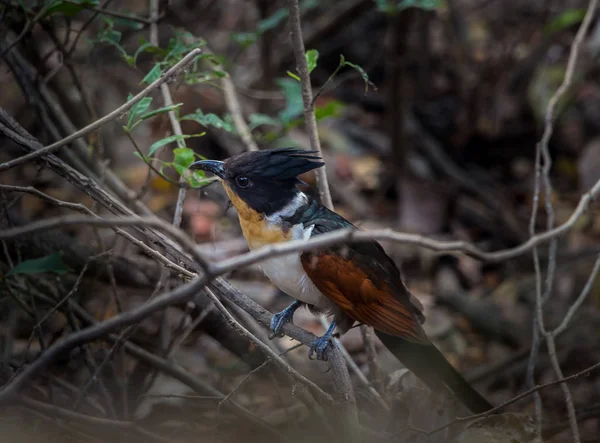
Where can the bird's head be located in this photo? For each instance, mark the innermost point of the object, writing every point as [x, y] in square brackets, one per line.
[263, 181]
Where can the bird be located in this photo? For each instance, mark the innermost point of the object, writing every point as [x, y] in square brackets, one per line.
[356, 282]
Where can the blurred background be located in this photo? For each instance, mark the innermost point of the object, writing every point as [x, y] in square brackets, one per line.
[429, 113]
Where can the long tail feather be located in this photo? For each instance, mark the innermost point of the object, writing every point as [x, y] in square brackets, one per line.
[430, 365]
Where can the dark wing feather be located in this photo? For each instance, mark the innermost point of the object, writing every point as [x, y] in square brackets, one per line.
[364, 282]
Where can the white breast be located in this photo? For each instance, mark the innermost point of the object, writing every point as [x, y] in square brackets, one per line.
[287, 274]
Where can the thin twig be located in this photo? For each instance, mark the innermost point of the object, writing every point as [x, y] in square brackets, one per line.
[543, 153]
[165, 366]
[178, 295]
[234, 106]
[28, 27]
[318, 392]
[118, 14]
[344, 391]
[85, 210]
[50, 223]
[578, 301]
[68, 415]
[235, 109]
[516, 399]
[174, 121]
[307, 97]
[107, 118]
[333, 238]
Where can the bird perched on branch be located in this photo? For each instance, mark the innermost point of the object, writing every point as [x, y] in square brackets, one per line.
[355, 282]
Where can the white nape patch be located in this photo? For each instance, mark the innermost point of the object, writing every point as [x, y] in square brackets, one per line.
[288, 210]
[308, 232]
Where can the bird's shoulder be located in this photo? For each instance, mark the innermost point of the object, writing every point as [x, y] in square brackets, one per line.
[368, 255]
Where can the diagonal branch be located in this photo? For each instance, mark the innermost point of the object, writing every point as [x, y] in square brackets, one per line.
[515, 399]
[107, 118]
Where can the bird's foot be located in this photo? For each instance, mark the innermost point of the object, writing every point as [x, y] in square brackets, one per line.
[281, 319]
[320, 345]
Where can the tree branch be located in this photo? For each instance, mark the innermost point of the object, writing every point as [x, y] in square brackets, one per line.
[107, 118]
[168, 101]
[307, 97]
[542, 179]
[314, 389]
[516, 399]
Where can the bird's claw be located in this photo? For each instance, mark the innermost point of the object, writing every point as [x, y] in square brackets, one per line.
[281, 319]
[319, 347]
[278, 321]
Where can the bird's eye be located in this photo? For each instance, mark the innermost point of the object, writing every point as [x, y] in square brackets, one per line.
[242, 181]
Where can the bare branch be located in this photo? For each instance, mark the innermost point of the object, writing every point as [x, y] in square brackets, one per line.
[168, 101]
[582, 296]
[107, 118]
[235, 109]
[323, 240]
[354, 367]
[85, 210]
[543, 153]
[178, 295]
[307, 97]
[516, 398]
[118, 14]
[51, 223]
[65, 414]
[319, 393]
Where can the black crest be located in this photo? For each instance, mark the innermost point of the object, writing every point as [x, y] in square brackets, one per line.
[266, 180]
[281, 165]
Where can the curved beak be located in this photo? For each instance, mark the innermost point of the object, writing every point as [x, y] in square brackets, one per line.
[214, 166]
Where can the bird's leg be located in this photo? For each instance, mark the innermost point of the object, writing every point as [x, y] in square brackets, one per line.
[282, 318]
[320, 344]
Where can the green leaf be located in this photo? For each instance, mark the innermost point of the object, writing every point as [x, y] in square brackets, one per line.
[272, 21]
[50, 263]
[183, 157]
[108, 34]
[137, 109]
[294, 76]
[179, 168]
[245, 39]
[292, 92]
[112, 37]
[565, 20]
[153, 74]
[256, 120]
[178, 47]
[394, 6]
[160, 111]
[140, 156]
[360, 70]
[129, 23]
[69, 8]
[144, 47]
[209, 120]
[197, 179]
[165, 141]
[332, 108]
[312, 55]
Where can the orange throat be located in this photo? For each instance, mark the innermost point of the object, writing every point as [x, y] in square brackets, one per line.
[255, 227]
